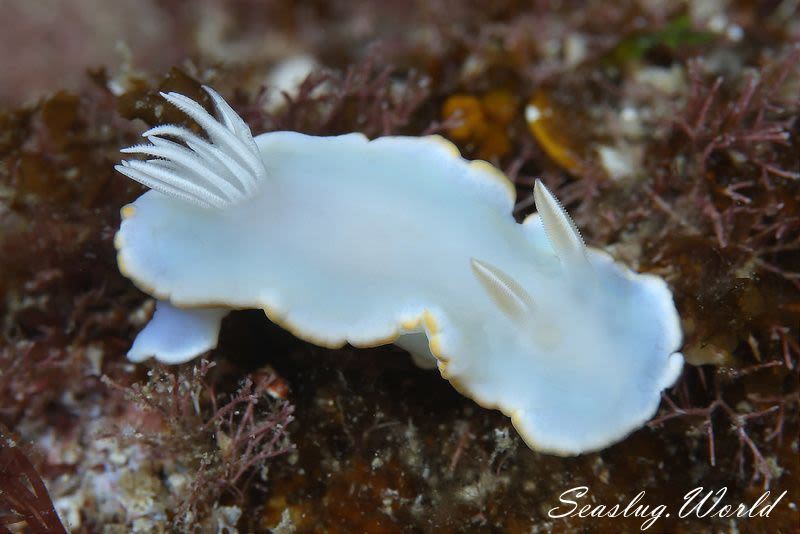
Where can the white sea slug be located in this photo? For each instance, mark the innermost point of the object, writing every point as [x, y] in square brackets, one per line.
[396, 240]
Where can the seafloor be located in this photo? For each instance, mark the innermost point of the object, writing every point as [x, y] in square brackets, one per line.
[670, 130]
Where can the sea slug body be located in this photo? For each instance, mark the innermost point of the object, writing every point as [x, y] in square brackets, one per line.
[396, 240]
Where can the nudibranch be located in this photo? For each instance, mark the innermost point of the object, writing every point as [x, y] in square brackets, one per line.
[396, 240]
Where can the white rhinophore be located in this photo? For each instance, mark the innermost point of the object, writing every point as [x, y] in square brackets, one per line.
[561, 230]
[509, 296]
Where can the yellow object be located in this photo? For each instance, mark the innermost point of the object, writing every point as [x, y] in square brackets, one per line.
[467, 109]
[500, 105]
[495, 143]
[543, 124]
[482, 121]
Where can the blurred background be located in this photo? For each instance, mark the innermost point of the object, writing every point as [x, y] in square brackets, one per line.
[49, 45]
